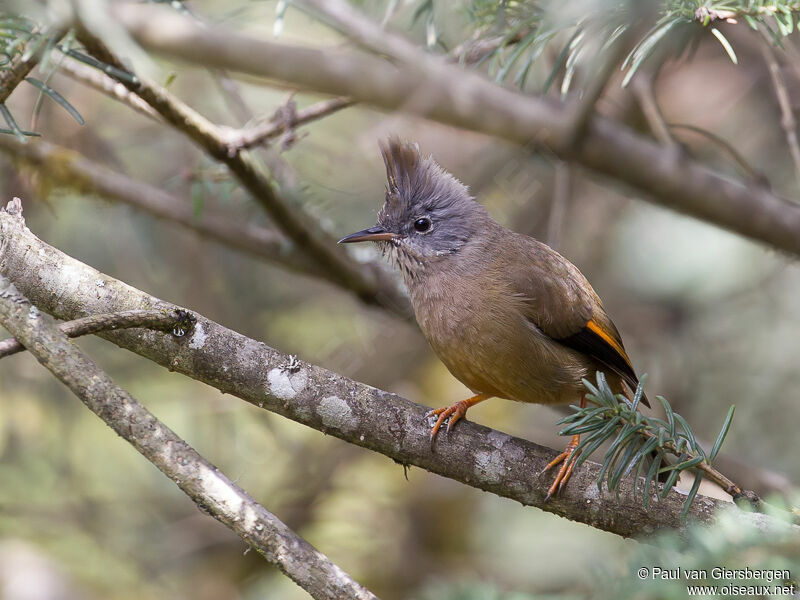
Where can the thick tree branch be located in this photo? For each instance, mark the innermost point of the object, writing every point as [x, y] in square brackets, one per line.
[210, 489]
[449, 94]
[149, 319]
[368, 281]
[328, 402]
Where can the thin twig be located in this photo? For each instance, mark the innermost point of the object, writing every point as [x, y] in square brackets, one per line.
[101, 82]
[562, 189]
[475, 50]
[582, 109]
[254, 136]
[788, 121]
[750, 172]
[209, 488]
[643, 87]
[158, 320]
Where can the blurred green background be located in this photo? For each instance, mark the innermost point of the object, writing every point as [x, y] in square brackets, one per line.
[711, 317]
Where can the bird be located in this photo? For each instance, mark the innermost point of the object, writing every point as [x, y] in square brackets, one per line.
[508, 316]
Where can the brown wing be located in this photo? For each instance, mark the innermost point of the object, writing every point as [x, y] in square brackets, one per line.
[559, 300]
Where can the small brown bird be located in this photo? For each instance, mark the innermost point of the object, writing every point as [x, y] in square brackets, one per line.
[509, 316]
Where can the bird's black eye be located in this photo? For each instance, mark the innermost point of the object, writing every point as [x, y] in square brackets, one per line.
[422, 225]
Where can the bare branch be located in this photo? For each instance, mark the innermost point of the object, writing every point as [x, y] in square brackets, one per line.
[475, 50]
[247, 138]
[448, 94]
[788, 121]
[150, 319]
[643, 87]
[728, 148]
[104, 84]
[369, 282]
[210, 489]
[357, 413]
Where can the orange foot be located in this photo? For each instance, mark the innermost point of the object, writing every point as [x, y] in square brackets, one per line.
[567, 460]
[452, 414]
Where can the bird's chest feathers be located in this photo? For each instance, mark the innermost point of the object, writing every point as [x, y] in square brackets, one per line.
[464, 318]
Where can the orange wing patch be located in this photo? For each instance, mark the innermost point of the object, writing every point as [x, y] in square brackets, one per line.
[598, 330]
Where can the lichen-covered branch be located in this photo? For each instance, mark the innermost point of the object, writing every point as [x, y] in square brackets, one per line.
[151, 319]
[352, 411]
[447, 93]
[199, 479]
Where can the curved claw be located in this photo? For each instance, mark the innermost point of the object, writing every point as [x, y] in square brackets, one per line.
[452, 414]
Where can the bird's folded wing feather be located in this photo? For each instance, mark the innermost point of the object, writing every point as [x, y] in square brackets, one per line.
[558, 299]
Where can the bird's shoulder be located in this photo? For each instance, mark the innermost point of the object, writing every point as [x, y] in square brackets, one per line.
[552, 291]
[557, 298]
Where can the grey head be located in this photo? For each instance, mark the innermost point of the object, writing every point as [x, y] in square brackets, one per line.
[428, 214]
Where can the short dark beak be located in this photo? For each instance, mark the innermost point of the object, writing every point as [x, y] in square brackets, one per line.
[373, 234]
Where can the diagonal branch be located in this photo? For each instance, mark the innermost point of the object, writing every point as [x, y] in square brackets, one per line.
[368, 281]
[357, 413]
[104, 84]
[788, 121]
[449, 94]
[254, 136]
[210, 489]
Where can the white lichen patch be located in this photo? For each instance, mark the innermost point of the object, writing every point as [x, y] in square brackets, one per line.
[280, 385]
[299, 381]
[498, 439]
[199, 337]
[490, 466]
[337, 414]
[224, 495]
[286, 385]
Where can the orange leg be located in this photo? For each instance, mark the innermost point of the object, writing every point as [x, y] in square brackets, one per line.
[567, 460]
[452, 414]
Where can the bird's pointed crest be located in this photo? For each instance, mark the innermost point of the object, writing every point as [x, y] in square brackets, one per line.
[403, 161]
[414, 179]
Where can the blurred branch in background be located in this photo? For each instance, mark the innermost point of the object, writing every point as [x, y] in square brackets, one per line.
[328, 402]
[211, 490]
[443, 92]
[97, 80]
[788, 121]
[368, 281]
[68, 168]
[282, 123]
